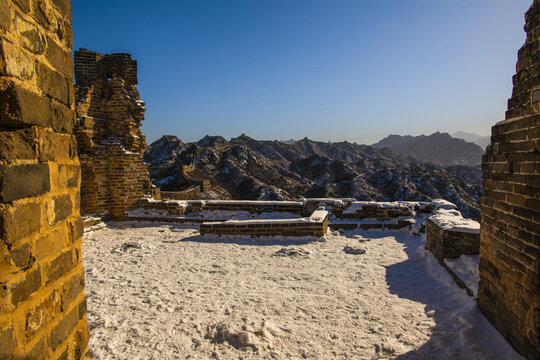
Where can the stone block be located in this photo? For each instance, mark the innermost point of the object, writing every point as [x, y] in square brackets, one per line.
[56, 147]
[80, 343]
[22, 181]
[64, 6]
[19, 222]
[62, 118]
[41, 315]
[53, 84]
[16, 63]
[20, 108]
[23, 4]
[58, 209]
[59, 58]
[72, 288]
[25, 286]
[17, 145]
[76, 229]
[59, 266]
[22, 257]
[38, 351]
[63, 329]
[5, 15]
[7, 340]
[30, 36]
[50, 244]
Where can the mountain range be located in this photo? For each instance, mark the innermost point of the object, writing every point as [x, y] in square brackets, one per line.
[438, 148]
[245, 168]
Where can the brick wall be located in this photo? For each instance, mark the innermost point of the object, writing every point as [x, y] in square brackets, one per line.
[510, 227]
[316, 225]
[450, 244]
[42, 302]
[110, 142]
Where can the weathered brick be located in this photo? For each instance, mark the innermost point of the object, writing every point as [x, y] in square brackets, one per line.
[64, 6]
[22, 181]
[62, 118]
[53, 84]
[59, 266]
[25, 286]
[38, 351]
[20, 108]
[16, 63]
[76, 229]
[17, 144]
[41, 315]
[56, 147]
[59, 58]
[72, 288]
[63, 329]
[62, 207]
[19, 222]
[22, 257]
[30, 35]
[23, 4]
[80, 343]
[7, 342]
[5, 15]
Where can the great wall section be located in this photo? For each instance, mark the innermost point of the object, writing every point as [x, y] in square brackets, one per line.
[69, 150]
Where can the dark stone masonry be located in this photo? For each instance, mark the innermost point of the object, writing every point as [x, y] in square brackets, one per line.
[509, 292]
[42, 302]
[110, 142]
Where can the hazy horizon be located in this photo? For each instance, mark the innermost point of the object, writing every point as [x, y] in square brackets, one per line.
[329, 71]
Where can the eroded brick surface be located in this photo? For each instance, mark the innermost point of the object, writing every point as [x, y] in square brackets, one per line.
[110, 142]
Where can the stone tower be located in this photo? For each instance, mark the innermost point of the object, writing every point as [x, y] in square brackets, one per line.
[110, 142]
[509, 292]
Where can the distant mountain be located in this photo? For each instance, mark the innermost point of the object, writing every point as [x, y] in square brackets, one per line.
[482, 141]
[438, 148]
[271, 170]
[289, 142]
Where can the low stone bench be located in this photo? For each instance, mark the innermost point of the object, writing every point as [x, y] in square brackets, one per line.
[315, 225]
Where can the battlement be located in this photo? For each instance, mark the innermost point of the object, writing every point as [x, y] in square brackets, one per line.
[91, 67]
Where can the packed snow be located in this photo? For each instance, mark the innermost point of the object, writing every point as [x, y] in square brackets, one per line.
[162, 291]
[451, 220]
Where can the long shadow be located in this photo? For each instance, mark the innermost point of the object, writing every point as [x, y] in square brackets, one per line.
[132, 224]
[410, 279]
[249, 241]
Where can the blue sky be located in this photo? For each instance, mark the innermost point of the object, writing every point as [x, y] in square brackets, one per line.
[331, 70]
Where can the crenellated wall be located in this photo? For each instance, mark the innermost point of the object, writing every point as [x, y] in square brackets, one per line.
[42, 302]
[509, 292]
[110, 142]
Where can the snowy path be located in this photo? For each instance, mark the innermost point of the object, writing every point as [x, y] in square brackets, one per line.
[160, 291]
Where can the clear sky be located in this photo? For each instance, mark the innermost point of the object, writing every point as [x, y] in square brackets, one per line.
[331, 70]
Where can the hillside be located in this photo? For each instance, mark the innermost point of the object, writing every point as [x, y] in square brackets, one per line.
[245, 168]
[438, 148]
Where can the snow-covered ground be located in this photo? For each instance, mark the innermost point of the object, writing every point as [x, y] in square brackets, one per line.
[161, 291]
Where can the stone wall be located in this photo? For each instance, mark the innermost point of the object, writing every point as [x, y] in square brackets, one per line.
[316, 225]
[448, 244]
[294, 207]
[110, 142]
[42, 302]
[509, 292]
